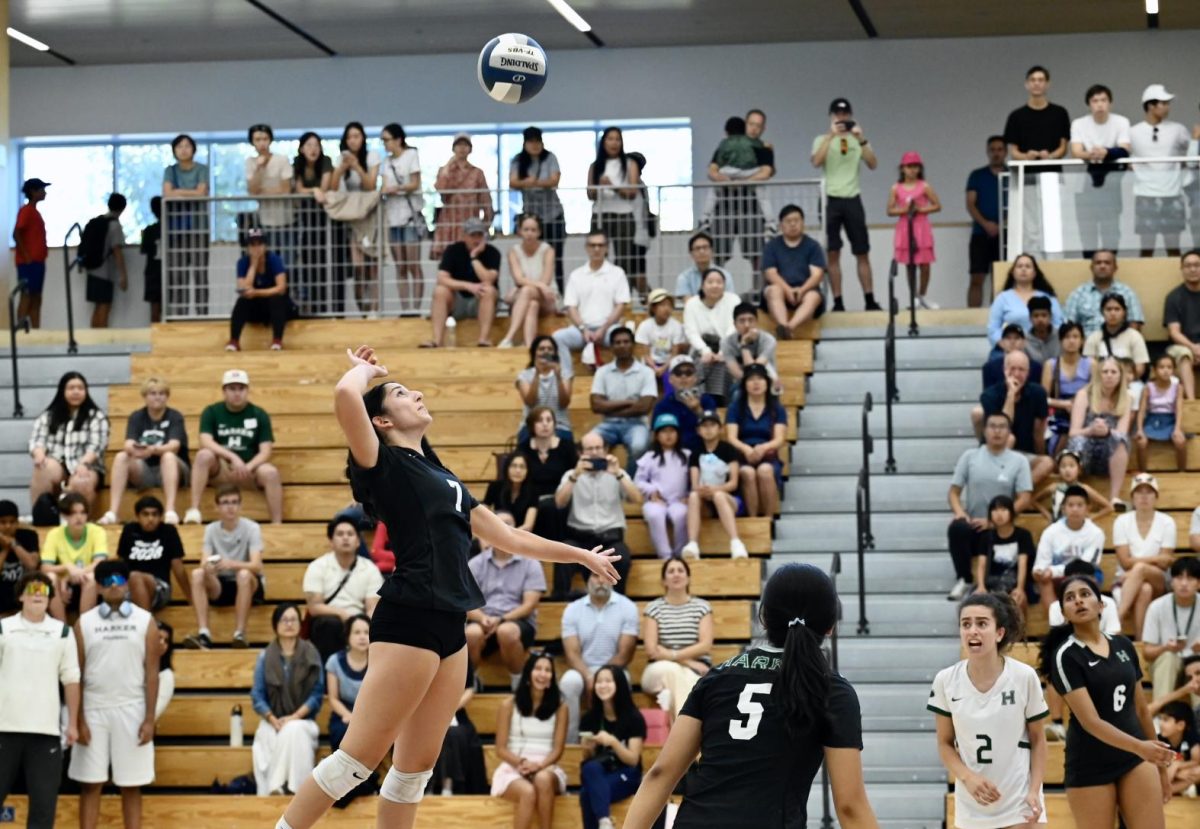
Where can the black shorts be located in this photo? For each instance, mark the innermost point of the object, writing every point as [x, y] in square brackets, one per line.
[99, 290]
[983, 251]
[528, 634]
[442, 631]
[152, 289]
[1153, 215]
[847, 213]
[762, 303]
[1098, 771]
[228, 594]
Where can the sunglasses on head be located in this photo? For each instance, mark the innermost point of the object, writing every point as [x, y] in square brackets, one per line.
[114, 580]
[36, 588]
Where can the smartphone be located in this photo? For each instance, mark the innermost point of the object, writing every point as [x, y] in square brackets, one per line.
[213, 559]
[849, 125]
[598, 464]
[551, 358]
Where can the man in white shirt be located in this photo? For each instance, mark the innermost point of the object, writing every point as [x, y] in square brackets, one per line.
[271, 174]
[339, 585]
[1172, 628]
[1158, 187]
[1073, 537]
[1099, 138]
[597, 296]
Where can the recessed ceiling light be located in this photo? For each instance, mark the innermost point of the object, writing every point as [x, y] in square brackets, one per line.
[27, 40]
[572, 16]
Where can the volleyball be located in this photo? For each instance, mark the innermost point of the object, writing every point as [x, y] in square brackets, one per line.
[512, 68]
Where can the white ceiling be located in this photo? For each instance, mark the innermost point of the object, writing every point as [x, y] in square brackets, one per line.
[156, 31]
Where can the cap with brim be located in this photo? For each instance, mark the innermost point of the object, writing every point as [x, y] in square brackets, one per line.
[474, 225]
[910, 157]
[256, 234]
[679, 360]
[1156, 92]
[664, 420]
[1078, 458]
[840, 105]
[462, 136]
[234, 376]
[33, 185]
[1012, 328]
[1144, 479]
[756, 370]
[709, 416]
[657, 295]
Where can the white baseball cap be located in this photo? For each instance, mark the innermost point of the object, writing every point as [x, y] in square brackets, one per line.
[235, 375]
[1156, 92]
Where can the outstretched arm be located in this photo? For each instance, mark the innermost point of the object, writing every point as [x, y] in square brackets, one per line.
[494, 532]
[348, 406]
[683, 744]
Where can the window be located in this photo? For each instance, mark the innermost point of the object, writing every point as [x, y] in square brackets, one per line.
[139, 178]
[81, 180]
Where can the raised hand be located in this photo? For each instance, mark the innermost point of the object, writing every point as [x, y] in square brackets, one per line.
[601, 562]
[364, 355]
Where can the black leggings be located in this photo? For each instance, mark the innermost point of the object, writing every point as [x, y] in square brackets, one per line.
[272, 309]
[964, 545]
[40, 756]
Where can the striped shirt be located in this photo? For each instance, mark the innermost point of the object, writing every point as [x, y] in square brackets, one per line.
[68, 445]
[679, 624]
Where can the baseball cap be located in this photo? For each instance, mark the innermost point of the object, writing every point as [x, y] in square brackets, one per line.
[474, 225]
[256, 234]
[33, 184]
[911, 157]
[1156, 92]
[664, 420]
[756, 370]
[462, 136]
[235, 375]
[1012, 328]
[657, 295]
[679, 360]
[1144, 479]
[840, 105]
[709, 415]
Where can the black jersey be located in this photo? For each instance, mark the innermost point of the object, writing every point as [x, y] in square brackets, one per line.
[427, 512]
[1110, 683]
[750, 772]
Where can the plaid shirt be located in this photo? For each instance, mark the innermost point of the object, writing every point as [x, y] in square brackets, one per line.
[68, 444]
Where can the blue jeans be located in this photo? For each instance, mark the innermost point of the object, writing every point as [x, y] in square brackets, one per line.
[599, 789]
[630, 432]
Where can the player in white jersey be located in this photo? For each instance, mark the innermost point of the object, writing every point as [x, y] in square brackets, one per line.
[990, 713]
[119, 655]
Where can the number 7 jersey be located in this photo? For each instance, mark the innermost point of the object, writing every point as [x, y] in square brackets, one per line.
[992, 734]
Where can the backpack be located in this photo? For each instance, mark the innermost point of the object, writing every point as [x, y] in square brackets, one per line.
[93, 247]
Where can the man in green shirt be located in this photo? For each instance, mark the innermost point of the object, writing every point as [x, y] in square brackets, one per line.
[839, 152]
[235, 448]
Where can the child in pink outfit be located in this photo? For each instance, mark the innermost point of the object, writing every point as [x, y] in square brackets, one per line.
[913, 192]
[662, 477]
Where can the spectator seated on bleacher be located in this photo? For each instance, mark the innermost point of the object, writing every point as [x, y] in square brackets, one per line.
[236, 441]
[686, 400]
[531, 732]
[596, 298]
[155, 452]
[756, 426]
[1074, 537]
[466, 284]
[1186, 689]
[262, 288]
[549, 456]
[662, 478]
[288, 689]
[1024, 404]
[1181, 316]
[344, 675]
[1062, 378]
[714, 474]
[19, 554]
[512, 491]
[598, 629]
[624, 392]
[1004, 555]
[677, 633]
[166, 674]
[793, 272]
[1100, 421]
[594, 491]
[1049, 499]
[460, 766]
[67, 444]
[1159, 415]
[1083, 305]
[1172, 629]
[1025, 281]
[547, 382]
[1144, 540]
[512, 586]
[747, 345]
[338, 586]
[612, 755]
[1013, 339]
[660, 336]
[531, 263]
[1117, 338]
[707, 320]
[154, 553]
[70, 555]
[1042, 342]
[1176, 724]
[231, 569]
[700, 248]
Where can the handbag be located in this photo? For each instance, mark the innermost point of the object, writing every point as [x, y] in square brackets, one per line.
[306, 625]
[416, 218]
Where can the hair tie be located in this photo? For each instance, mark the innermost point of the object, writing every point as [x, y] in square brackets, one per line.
[797, 621]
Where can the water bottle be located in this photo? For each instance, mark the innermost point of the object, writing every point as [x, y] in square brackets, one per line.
[451, 332]
[235, 727]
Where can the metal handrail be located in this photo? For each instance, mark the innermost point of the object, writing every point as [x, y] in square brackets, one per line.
[913, 329]
[68, 263]
[835, 569]
[14, 326]
[860, 511]
[890, 393]
[868, 448]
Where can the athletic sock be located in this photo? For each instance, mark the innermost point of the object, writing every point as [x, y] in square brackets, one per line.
[205, 632]
[869, 298]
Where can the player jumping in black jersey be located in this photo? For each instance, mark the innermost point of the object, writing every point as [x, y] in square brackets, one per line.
[763, 722]
[418, 639]
[1110, 763]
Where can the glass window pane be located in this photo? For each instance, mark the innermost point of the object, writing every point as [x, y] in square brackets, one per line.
[668, 155]
[436, 150]
[81, 180]
[576, 150]
[139, 178]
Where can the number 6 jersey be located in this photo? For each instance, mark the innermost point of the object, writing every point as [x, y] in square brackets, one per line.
[993, 738]
[750, 772]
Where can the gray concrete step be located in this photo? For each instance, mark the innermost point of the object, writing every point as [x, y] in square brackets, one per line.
[36, 398]
[889, 493]
[887, 571]
[920, 532]
[911, 420]
[16, 467]
[915, 352]
[844, 455]
[99, 369]
[24, 349]
[922, 615]
[895, 707]
[872, 659]
[896, 805]
[928, 332]
[915, 386]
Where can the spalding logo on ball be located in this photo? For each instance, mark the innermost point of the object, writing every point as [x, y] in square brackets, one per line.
[512, 68]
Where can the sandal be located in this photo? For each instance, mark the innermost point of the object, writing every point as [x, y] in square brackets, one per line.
[484, 344]
[429, 344]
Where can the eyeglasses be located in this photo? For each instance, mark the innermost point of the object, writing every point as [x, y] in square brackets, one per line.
[36, 588]
[289, 620]
[684, 372]
[115, 580]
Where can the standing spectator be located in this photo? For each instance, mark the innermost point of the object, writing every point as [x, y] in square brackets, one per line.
[235, 447]
[512, 587]
[1116, 337]
[270, 174]
[623, 393]
[1037, 131]
[1024, 404]
[1062, 378]
[466, 284]
[312, 172]
[155, 452]
[685, 400]
[531, 732]
[31, 253]
[597, 296]
[18, 556]
[1083, 305]
[37, 653]
[1159, 207]
[153, 552]
[401, 174]
[357, 171]
[714, 471]
[231, 573]
[1025, 281]
[913, 199]
[983, 203]
[1144, 540]
[707, 320]
[549, 454]
[662, 477]
[1074, 537]
[739, 210]
[344, 673]
[839, 153]
[338, 586]
[71, 553]
[1004, 554]
[512, 491]
[613, 732]
[531, 264]
[1099, 138]
[288, 689]
[793, 270]
[594, 490]
[1172, 631]
[119, 660]
[185, 191]
[1160, 414]
[460, 766]
[985, 472]
[700, 248]
[111, 269]
[1181, 315]
[660, 335]
[598, 629]
[613, 180]
[677, 631]
[535, 172]
[151, 249]
[465, 195]
[1042, 344]
[262, 288]
[1100, 420]
[547, 382]
[747, 346]
[68, 443]
[756, 426]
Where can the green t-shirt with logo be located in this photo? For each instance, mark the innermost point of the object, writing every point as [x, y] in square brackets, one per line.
[239, 432]
[841, 168]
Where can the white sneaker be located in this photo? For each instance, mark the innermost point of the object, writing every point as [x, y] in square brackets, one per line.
[960, 589]
[1055, 732]
[663, 698]
[606, 823]
[927, 304]
[109, 517]
[171, 517]
[690, 550]
[192, 516]
[737, 549]
[505, 343]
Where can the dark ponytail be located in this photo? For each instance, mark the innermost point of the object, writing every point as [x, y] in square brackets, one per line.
[1004, 611]
[1059, 634]
[799, 604]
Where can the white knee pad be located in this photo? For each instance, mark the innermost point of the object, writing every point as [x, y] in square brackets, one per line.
[405, 787]
[283, 824]
[339, 773]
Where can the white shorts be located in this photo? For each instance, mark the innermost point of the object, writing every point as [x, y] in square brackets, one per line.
[1010, 810]
[114, 740]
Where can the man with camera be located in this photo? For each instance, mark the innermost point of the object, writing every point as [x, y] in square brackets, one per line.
[594, 490]
[685, 400]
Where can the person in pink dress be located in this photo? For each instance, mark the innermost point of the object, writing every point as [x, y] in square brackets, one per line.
[465, 195]
[913, 193]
